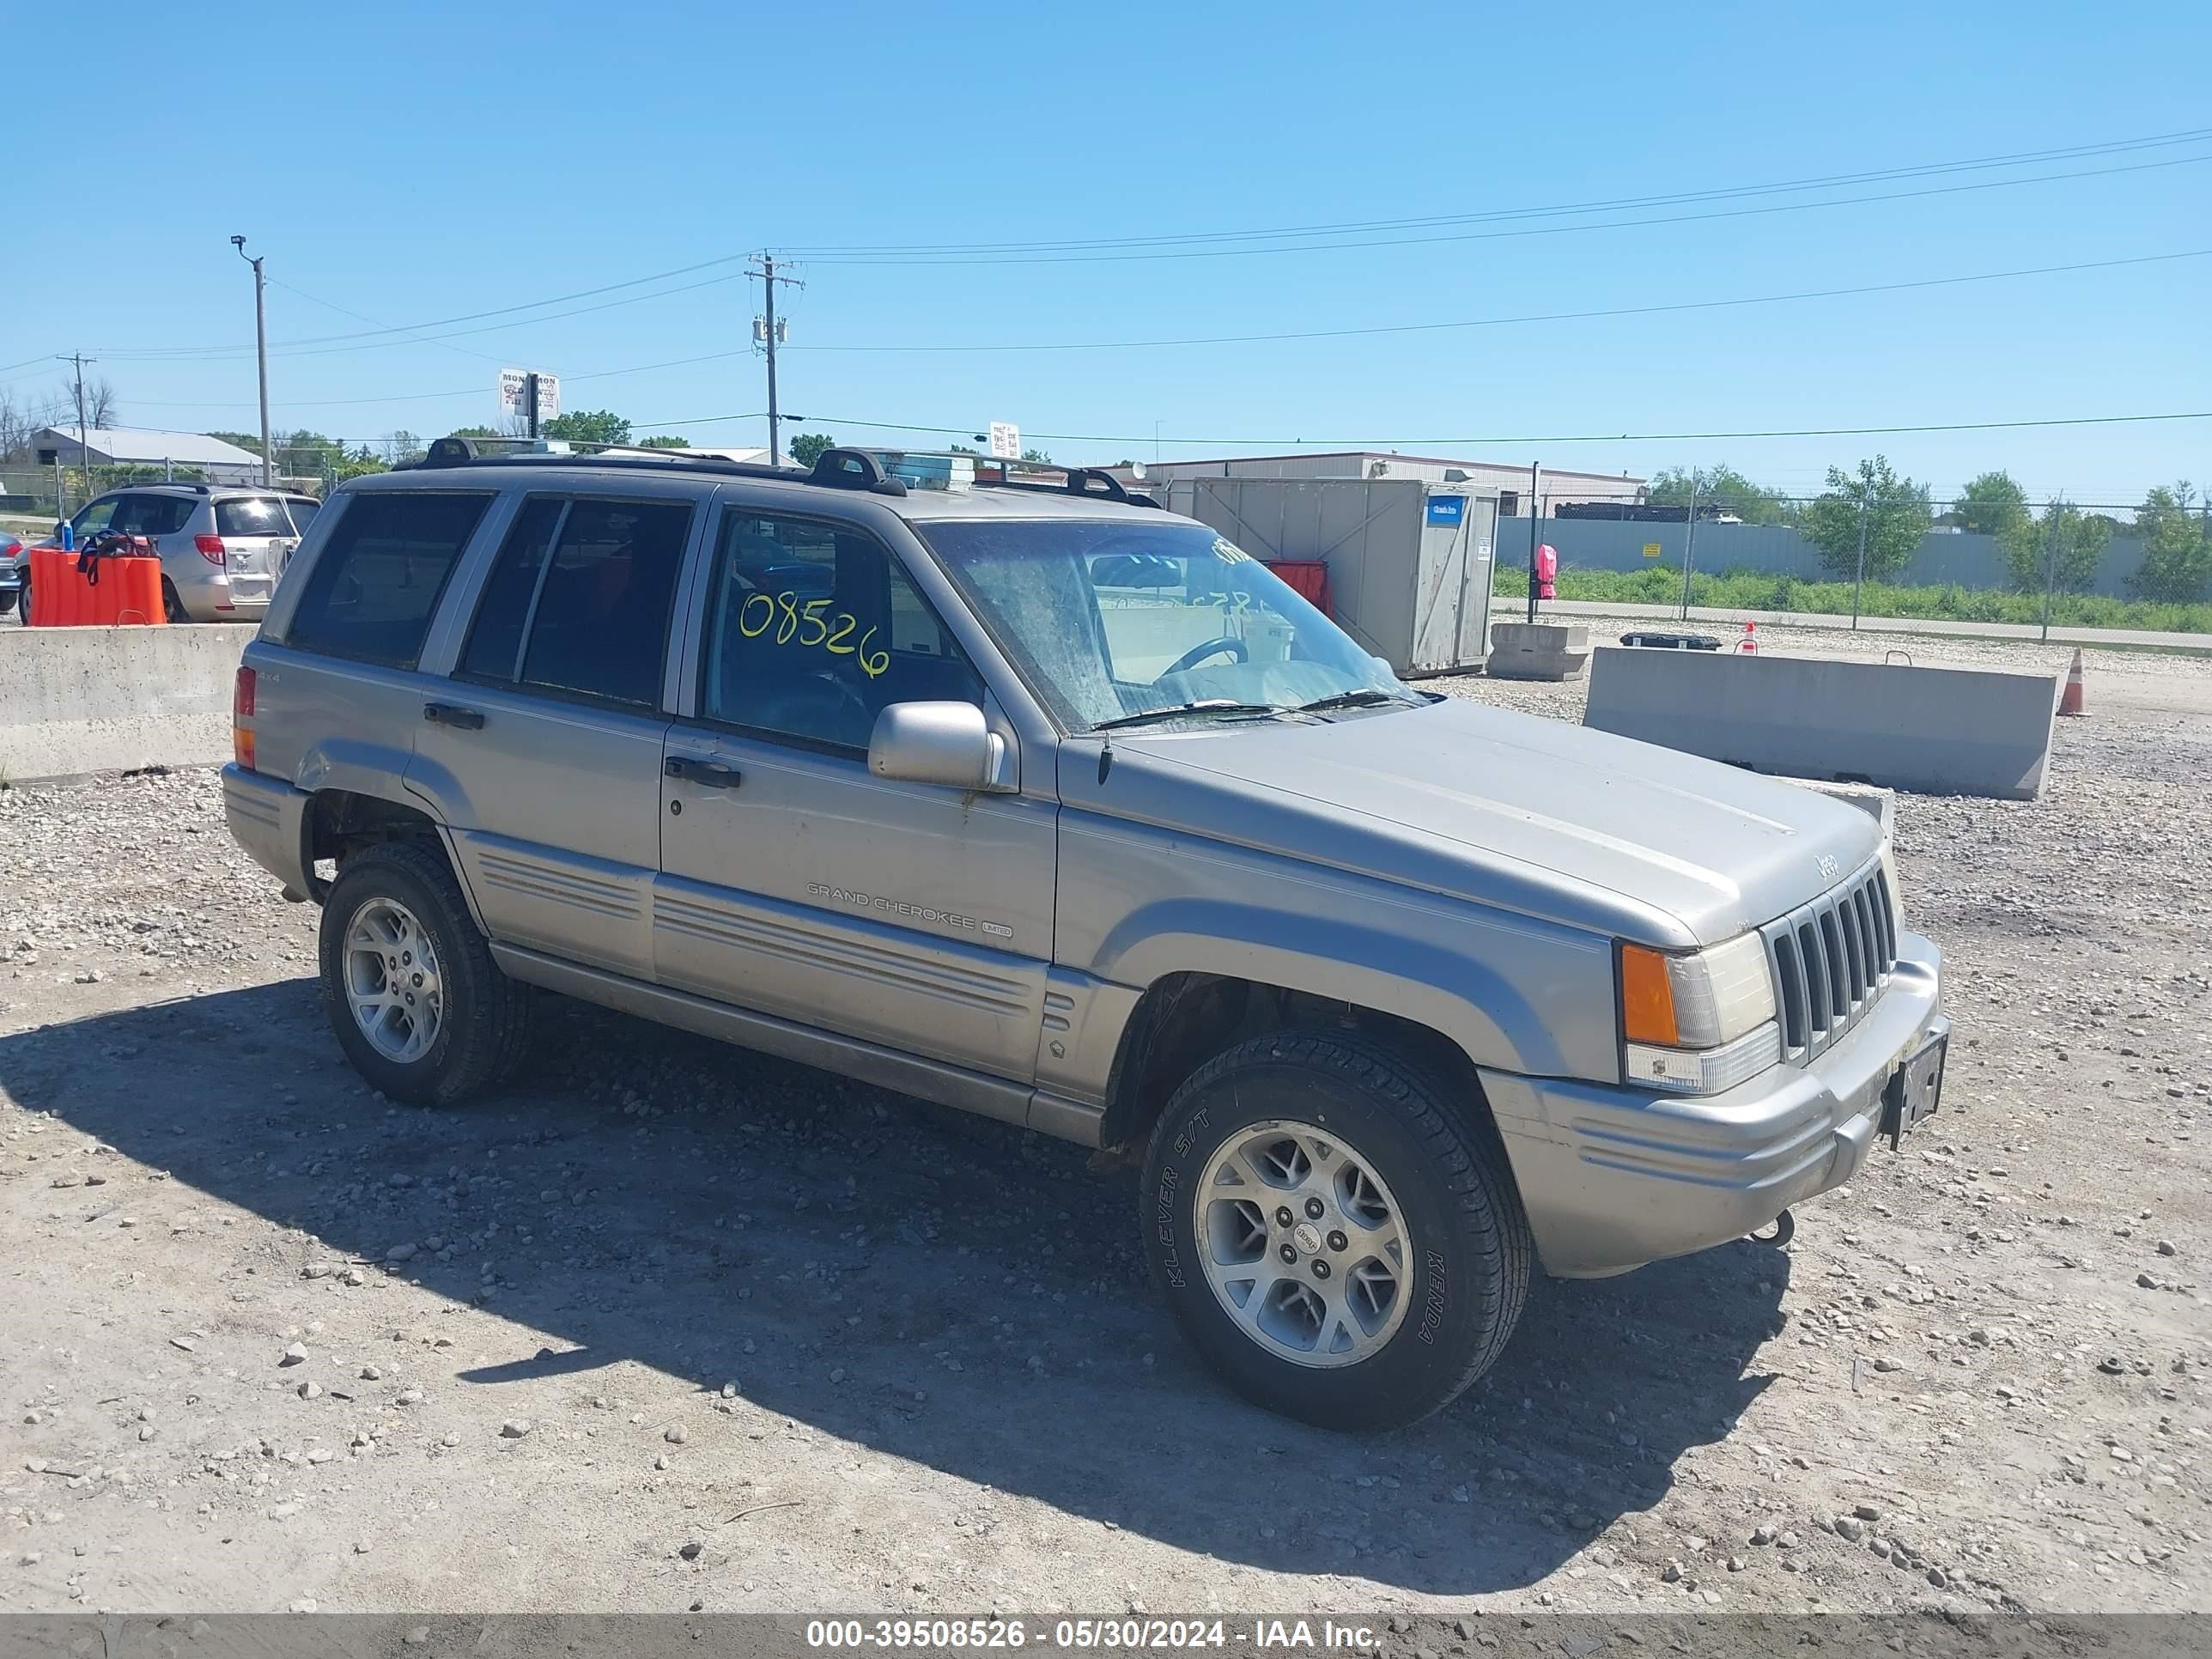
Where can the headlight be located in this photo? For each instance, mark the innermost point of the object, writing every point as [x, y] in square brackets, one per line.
[1700, 1023]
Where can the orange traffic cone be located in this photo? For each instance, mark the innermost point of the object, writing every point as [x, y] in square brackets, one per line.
[2069, 701]
[1749, 643]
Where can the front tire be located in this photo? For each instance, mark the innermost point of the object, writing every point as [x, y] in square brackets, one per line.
[1336, 1235]
[413, 994]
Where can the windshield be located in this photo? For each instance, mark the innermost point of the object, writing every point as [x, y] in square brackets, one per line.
[1110, 621]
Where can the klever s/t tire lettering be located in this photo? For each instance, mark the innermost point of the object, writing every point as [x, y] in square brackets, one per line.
[1336, 1234]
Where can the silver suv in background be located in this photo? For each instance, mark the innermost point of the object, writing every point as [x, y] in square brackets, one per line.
[1043, 803]
[222, 547]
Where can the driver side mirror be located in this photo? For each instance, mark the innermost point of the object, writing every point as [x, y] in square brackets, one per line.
[947, 743]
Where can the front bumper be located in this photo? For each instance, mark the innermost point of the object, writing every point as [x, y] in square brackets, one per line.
[1612, 1178]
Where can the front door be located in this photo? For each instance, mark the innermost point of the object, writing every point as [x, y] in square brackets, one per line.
[544, 749]
[793, 882]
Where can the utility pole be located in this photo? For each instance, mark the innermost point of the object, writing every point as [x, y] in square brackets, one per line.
[763, 266]
[1535, 530]
[531, 385]
[1689, 542]
[261, 358]
[2050, 559]
[1858, 582]
[84, 453]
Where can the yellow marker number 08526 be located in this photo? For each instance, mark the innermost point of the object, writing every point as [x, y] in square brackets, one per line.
[813, 625]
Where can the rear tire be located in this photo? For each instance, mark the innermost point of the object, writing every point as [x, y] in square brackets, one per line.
[441, 1023]
[173, 608]
[1334, 1230]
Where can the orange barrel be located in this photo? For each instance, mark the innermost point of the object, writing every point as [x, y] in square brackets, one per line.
[55, 587]
[1308, 578]
[129, 593]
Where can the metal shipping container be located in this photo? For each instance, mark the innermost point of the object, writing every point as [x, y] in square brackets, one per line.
[1408, 560]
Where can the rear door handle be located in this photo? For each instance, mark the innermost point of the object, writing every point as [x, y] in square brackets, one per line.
[708, 775]
[444, 714]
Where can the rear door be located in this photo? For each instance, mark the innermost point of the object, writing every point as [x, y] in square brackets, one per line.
[258, 539]
[543, 749]
[340, 694]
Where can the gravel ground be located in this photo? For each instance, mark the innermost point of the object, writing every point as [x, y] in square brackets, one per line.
[672, 1326]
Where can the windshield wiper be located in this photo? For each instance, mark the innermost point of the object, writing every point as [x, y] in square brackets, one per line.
[1361, 698]
[1203, 705]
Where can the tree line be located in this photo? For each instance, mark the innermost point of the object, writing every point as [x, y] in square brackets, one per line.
[2061, 546]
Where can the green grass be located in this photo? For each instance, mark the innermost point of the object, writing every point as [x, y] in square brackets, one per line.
[1752, 590]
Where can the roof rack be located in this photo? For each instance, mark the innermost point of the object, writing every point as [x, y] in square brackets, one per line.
[835, 469]
[463, 451]
[1079, 482]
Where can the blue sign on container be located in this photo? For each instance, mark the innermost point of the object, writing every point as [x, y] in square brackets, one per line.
[1448, 511]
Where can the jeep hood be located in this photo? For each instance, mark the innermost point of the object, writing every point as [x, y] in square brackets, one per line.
[1538, 817]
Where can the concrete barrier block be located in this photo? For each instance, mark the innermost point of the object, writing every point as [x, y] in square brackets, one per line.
[1537, 651]
[79, 700]
[1934, 730]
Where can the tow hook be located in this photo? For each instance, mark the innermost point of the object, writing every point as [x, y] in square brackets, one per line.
[1785, 1229]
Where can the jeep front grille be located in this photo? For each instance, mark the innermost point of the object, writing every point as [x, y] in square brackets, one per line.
[1831, 961]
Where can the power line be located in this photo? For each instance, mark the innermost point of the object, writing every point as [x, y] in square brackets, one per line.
[1497, 236]
[1285, 337]
[1533, 317]
[343, 310]
[197, 354]
[381, 333]
[2018, 158]
[1416, 443]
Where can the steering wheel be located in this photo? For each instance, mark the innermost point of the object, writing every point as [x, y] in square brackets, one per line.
[848, 696]
[1198, 654]
[822, 704]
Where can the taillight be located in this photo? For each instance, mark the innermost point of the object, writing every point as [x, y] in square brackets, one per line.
[241, 711]
[211, 549]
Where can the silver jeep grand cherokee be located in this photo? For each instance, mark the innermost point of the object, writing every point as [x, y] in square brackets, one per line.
[1041, 802]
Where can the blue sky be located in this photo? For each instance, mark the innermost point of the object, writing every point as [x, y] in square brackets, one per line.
[411, 164]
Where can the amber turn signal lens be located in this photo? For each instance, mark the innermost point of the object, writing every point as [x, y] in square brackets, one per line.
[1647, 998]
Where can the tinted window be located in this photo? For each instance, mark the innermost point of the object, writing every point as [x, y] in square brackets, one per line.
[812, 630]
[303, 513]
[252, 515]
[371, 593]
[94, 519]
[153, 515]
[495, 647]
[591, 616]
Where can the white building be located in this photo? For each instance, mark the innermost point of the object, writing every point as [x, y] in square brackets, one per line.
[216, 461]
[1511, 483]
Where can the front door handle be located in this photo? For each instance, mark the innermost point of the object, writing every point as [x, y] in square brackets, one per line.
[708, 775]
[444, 714]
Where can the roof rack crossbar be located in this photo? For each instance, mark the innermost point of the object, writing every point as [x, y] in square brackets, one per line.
[1079, 482]
[854, 468]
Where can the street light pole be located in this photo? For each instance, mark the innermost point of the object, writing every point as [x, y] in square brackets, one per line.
[1535, 531]
[261, 358]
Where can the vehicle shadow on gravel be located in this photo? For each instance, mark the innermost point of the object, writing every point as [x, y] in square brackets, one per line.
[931, 1286]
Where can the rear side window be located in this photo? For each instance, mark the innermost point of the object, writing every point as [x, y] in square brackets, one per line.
[255, 515]
[303, 512]
[374, 591]
[153, 515]
[579, 601]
